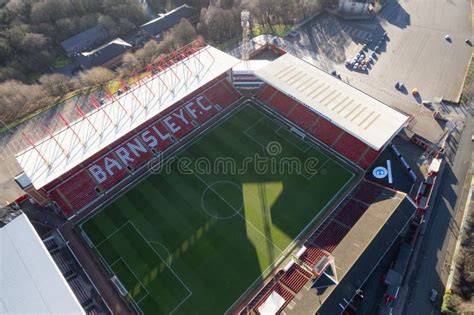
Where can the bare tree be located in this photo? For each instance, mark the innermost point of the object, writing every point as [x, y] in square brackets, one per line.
[94, 76]
[56, 84]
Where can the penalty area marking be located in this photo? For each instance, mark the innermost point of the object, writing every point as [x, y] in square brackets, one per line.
[169, 267]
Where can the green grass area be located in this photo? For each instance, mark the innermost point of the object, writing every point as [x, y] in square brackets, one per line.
[61, 61]
[277, 29]
[192, 238]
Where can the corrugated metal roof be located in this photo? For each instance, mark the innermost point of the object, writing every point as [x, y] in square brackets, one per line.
[357, 113]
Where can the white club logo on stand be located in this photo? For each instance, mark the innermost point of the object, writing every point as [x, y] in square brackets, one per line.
[380, 172]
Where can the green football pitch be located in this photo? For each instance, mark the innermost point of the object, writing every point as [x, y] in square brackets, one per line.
[193, 236]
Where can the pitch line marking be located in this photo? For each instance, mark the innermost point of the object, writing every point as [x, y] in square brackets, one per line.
[111, 234]
[250, 223]
[136, 277]
[169, 267]
[163, 246]
[209, 187]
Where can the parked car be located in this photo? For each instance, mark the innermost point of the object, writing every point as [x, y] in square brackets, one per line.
[334, 73]
[397, 85]
[447, 37]
[433, 295]
[428, 104]
[364, 68]
[468, 41]
[293, 34]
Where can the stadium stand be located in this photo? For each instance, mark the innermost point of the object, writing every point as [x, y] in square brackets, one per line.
[202, 111]
[81, 293]
[282, 103]
[222, 94]
[180, 126]
[330, 236]
[312, 255]
[63, 263]
[350, 147]
[266, 93]
[295, 278]
[368, 158]
[51, 245]
[116, 171]
[75, 193]
[264, 292]
[278, 288]
[367, 192]
[351, 212]
[303, 117]
[76, 189]
[134, 156]
[326, 131]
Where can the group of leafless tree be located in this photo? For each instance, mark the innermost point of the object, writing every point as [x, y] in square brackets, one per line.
[31, 31]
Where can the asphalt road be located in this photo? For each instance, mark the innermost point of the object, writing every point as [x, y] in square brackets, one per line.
[433, 263]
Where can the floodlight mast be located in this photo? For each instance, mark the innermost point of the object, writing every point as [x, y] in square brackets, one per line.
[245, 22]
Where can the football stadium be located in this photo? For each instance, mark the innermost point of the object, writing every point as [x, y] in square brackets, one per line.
[194, 195]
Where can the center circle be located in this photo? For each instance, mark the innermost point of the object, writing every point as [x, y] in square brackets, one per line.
[222, 200]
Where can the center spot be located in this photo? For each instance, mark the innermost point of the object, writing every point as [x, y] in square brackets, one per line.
[222, 200]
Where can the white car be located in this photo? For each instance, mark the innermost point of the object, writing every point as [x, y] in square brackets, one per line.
[448, 38]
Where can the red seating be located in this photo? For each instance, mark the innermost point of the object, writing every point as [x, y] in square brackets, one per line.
[262, 295]
[178, 122]
[79, 190]
[131, 152]
[312, 255]
[222, 94]
[282, 103]
[369, 158]
[331, 236]
[367, 192]
[161, 138]
[112, 170]
[351, 212]
[326, 131]
[266, 93]
[303, 117]
[295, 278]
[200, 109]
[350, 147]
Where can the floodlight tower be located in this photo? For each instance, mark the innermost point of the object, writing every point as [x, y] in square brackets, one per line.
[245, 22]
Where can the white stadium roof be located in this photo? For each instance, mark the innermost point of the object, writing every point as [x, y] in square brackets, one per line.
[364, 117]
[65, 150]
[30, 281]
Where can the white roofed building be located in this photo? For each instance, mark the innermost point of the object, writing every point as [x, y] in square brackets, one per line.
[344, 118]
[30, 281]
